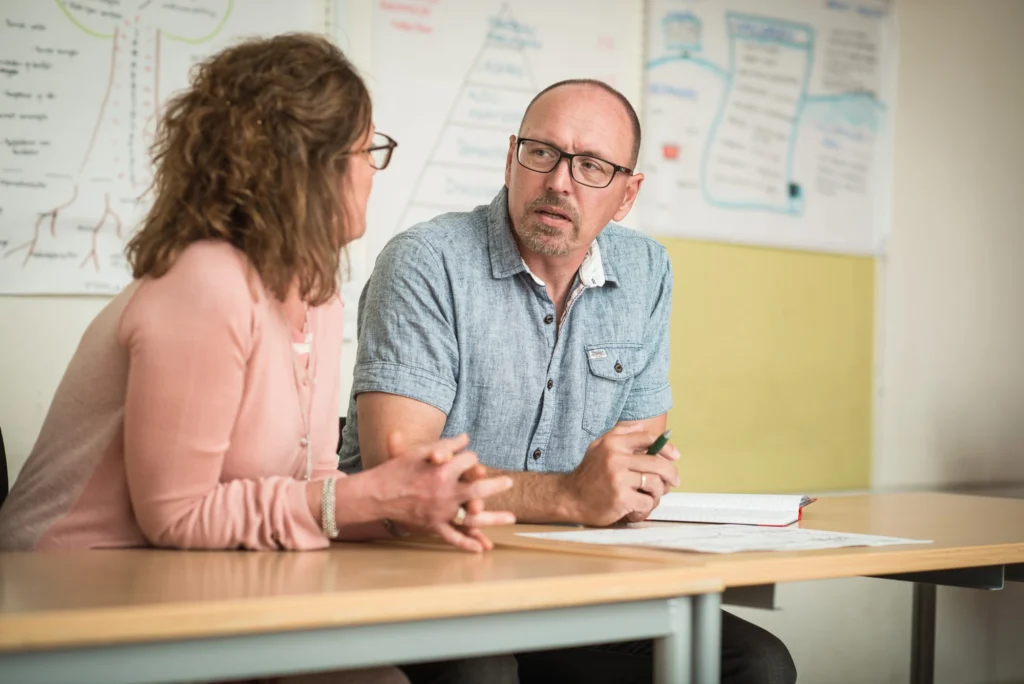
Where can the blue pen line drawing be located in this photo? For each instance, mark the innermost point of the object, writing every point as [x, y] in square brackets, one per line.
[861, 109]
[863, 113]
[863, 97]
[473, 137]
[682, 31]
[774, 32]
[686, 57]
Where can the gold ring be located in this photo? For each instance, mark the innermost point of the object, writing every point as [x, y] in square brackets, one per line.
[460, 516]
[643, 480]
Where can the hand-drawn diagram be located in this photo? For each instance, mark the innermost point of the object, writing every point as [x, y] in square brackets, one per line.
[451, 80]
[108, 183]
[465, 167]
[83, 83]
[769, 129]
[750, 158]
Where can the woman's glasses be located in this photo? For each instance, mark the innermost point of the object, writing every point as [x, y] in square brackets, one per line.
[380, 150]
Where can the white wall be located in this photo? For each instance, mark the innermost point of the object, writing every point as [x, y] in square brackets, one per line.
[951, 338]
[953, 321]
[38, 335]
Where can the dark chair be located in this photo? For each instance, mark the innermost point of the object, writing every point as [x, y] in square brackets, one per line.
[3, 470]
[341, 429]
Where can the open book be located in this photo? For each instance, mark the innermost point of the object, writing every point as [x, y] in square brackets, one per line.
[737, 509]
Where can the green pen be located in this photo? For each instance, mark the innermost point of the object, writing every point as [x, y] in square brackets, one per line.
[659, 443]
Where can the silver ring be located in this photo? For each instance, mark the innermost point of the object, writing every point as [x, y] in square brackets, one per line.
[460, 516]
[643, 481]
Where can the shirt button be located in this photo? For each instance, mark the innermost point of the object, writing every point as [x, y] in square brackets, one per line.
[536, 454]
[550, 384]
[618, 367]
[303, 442]
[549, 319]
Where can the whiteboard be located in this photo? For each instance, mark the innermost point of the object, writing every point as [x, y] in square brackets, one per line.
[451, 80]
[770, 123]
[83, 82]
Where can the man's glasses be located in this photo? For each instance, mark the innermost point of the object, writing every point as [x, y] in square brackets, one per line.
[584, 169]
[380, 150]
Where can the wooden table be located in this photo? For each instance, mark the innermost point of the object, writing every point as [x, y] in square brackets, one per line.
[978, 543]
[161, 616]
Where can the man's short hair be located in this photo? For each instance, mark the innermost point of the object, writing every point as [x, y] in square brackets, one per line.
[593, 82]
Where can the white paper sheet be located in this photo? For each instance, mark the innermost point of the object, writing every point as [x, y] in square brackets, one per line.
[451, 82]
[84, 84]
[723, 538]
[770, 123]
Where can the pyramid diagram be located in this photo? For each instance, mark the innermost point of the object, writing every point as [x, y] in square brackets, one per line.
[466, 166]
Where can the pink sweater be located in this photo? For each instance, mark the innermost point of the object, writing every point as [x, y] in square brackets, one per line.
[178, 422]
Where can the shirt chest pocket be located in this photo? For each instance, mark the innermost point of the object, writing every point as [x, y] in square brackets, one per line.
[609, 377]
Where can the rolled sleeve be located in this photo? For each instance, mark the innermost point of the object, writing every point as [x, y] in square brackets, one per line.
[407, 341]
[651, 394]
[404, 381]
[647, 404]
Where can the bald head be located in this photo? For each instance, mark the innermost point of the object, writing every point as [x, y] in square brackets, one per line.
[556, 214]
[633, 121]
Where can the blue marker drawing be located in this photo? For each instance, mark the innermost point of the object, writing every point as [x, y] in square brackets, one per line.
[846, 129]
[685, 57]
[750, 152]
[879, 12]
[748, 162]
[682, 31]
[493, 95]
[508, 31]
[851, 102]
[683, 34]
[679, 92]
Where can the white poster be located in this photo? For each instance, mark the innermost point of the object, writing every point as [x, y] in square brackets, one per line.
[82, 86]
[770, 123]
[451, 80]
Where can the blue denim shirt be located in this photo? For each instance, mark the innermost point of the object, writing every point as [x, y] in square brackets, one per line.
[452, 317]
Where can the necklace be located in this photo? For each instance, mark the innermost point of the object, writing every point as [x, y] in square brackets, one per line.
[306, 346]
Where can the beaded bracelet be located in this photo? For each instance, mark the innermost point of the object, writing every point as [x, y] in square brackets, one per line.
[328, 521]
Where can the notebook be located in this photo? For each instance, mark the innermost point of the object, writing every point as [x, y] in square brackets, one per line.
[737, 509]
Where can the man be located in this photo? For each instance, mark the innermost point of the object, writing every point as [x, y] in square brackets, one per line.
[542, 330]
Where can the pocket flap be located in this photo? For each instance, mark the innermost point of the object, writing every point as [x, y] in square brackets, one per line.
[616, 361]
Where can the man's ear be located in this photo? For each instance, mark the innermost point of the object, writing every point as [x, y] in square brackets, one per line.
[632, 190]
[508, 160]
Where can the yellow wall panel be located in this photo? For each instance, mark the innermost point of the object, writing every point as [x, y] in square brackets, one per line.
[771, 368]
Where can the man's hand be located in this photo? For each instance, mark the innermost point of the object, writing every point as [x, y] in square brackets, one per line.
[617, 480]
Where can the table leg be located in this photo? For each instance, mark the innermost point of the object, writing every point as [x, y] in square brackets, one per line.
[673, 653]
[707, 639]
[922, 641]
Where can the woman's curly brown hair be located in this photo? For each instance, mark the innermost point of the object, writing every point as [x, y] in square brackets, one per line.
[253, 153]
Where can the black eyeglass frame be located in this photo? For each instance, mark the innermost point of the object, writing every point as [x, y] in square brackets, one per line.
[565, 155]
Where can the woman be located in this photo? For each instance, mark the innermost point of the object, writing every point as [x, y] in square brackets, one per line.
[201, 407]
